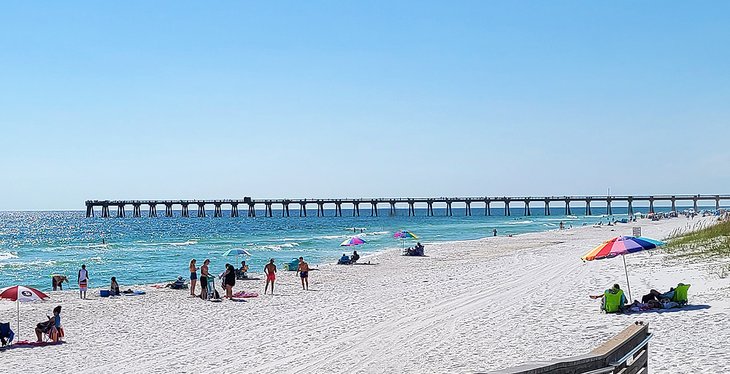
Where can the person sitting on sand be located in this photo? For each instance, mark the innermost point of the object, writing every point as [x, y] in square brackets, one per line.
[48, 326]
[241, 272]
[114, 287]
[667, 295]
[344, 260]
[354, 257]
[652, 295]
[178, 284]
[419, 249]
[613, 290]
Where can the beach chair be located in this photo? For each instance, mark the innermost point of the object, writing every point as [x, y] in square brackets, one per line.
[55, 334]
[6, 334]
[612, 301]
[680, 294]
[212, 292]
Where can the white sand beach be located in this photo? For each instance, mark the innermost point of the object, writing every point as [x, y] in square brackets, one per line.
[467, 307]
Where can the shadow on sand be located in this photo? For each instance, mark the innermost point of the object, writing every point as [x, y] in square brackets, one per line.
[685, 308]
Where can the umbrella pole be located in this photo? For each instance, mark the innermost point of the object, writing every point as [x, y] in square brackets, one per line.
[628, 285]
[17, 303]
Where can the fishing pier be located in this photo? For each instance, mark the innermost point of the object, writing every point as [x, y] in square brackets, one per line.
[380, 205]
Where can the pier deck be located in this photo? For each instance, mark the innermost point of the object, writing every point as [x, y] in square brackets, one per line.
[528, 203]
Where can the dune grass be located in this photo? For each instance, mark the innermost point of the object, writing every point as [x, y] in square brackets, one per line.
[705, 241]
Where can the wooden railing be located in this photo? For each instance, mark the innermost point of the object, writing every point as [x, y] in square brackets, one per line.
[625, 353]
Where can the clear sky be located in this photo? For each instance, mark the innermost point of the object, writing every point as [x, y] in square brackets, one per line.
[178, 99]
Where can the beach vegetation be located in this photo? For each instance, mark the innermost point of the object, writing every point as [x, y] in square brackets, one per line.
[711, 240]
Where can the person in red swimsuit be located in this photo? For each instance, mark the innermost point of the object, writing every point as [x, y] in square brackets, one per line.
[270, 271]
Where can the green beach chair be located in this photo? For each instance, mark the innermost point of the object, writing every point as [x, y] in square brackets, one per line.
[680, 294]
[612, 301]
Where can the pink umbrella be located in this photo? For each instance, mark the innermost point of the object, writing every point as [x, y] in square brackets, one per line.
[21, 294]
[355, 240]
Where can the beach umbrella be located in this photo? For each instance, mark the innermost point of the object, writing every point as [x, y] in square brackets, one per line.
[355, 240]
[237, 252]
[21, 294]
[622, 246]
[403, 235]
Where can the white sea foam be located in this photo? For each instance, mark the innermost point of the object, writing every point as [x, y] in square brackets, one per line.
[277, 247]
[29, 264]
[8, 255]
[188, 242]
[525, 222]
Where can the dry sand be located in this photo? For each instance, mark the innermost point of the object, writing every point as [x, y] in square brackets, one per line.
[468, 306]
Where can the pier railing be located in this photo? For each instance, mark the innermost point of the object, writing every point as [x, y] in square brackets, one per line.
[625, 353]
[528, 203]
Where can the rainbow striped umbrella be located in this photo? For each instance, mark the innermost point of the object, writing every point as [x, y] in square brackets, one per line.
[355, 240]
[621, 245]
[404, 234]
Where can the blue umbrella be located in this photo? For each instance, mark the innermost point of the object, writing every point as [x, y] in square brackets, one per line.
[237, 252]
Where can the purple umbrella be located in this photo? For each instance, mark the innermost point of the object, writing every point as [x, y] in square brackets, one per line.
[355, 240]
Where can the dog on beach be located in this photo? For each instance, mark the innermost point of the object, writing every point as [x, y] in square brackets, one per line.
[57, 281]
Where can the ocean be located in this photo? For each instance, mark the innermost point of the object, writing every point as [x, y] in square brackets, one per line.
[35, 245]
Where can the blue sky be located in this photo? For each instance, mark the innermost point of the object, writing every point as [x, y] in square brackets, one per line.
[337, 99]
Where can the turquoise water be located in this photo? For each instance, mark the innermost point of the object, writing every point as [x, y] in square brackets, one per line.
[34, 245]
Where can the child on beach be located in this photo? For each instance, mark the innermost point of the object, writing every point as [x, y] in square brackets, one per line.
[270, 271]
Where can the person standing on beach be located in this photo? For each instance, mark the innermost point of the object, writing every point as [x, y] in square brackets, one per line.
[303, 271]
[204, 280]
[270, 271]
[229, 280]
[193, 277]
[83, 280]
[494, 232]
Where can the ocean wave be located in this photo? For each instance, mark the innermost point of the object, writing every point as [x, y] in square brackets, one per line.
[525, 222]
[375, 233]
[177, 244]
[8, 255]
[332, 237]
[32, 264]
[277, 247]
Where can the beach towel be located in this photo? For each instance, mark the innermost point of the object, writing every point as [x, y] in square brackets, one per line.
[28, 344]
[245, 295]
[133, 293]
